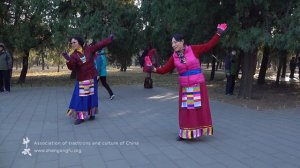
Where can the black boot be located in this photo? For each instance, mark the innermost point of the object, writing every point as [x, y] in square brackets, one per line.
[179, 139]
[92, 118]
[78, 121]
[148, 83]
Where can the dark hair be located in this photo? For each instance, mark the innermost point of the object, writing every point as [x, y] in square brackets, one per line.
[150, 46]
[178, 37]
[79, 39]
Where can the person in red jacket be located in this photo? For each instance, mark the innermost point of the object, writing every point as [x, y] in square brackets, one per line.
[84, 101]
[194, 111]
[150, 60]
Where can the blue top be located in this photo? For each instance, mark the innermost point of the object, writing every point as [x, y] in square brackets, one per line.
[101, 63]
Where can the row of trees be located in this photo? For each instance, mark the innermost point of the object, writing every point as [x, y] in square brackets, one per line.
[254, 25]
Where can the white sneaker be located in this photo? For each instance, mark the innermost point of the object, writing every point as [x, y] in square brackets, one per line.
[112, 97]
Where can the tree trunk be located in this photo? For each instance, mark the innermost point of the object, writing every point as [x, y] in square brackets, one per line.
[43, 62]
[274, 65]
[263, 66]
[217, 66]
[213, 68]
[239, 67]
[248, 69]
[207, 65]
[221, 65]
[279, 69]
[24, 67]
[284, 62]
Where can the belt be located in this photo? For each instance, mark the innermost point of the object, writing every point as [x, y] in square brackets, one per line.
[191, 72]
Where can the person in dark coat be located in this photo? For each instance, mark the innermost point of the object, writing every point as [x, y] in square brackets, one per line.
[5, 69]
[231, 70]
[293, 65]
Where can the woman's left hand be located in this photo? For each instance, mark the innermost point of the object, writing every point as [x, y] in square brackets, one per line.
[221, 28]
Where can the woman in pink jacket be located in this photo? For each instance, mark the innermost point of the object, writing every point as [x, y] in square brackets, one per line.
[194, 111]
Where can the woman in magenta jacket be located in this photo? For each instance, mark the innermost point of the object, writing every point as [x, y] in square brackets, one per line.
[194, 111]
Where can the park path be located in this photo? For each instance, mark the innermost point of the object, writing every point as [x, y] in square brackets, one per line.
[138, 129]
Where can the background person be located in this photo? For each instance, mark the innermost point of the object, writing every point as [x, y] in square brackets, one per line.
[293, 65]
[231, 70]
[101, 63]
[150, 60]
[5, 69]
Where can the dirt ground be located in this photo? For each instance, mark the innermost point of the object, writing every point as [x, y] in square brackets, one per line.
[268, 96]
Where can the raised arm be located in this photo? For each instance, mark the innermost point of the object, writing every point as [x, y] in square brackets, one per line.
[99, 45]
[202, 48]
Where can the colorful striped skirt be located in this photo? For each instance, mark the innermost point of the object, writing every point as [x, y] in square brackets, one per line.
[194, 112]
[84, 101]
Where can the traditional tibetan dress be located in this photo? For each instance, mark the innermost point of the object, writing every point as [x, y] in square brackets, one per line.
[84, 101]
[194, 112]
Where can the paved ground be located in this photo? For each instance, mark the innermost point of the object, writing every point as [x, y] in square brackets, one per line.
[138, 129]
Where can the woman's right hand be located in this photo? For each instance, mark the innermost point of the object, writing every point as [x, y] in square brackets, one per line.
[66, 55]
[154, 69]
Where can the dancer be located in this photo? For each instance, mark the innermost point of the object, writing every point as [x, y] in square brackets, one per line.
[84, 102]
[194, 111]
